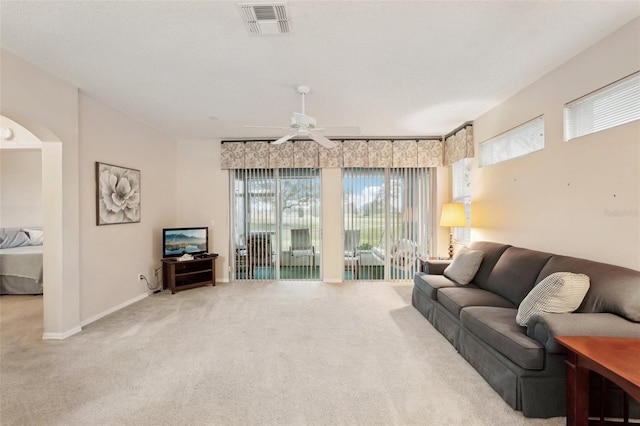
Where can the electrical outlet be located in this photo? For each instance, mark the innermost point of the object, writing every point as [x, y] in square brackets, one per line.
[140, 277]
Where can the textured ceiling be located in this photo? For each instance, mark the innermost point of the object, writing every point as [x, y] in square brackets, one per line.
[393, 68]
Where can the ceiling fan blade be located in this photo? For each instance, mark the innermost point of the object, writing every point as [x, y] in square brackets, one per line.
[267, 127]
[284, 138]
[342, 130]
[322, 140]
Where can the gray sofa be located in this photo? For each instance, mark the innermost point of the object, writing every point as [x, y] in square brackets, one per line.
[525, 365]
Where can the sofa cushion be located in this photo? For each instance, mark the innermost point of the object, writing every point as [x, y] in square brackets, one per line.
[515, 273]
[429, 284]
[492, 252]
[454, 299]
[464, 266]
[497, 328]
[613, 289]
[559, 293]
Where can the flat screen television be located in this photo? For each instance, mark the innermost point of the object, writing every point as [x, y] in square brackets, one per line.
[178, 241]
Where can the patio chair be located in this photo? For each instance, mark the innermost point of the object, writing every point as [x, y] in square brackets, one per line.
[259, 252]
[351, 254]
[301, 245]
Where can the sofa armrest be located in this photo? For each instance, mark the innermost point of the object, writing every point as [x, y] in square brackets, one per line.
[545, 327]
[434, 266]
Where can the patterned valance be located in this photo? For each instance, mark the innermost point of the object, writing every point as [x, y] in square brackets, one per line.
[347, 153]
[459, 145]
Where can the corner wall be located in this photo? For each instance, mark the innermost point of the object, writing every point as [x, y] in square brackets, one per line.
[579, 198]
[48, 108]
[112, 256]
[89, 270]
[203, 196]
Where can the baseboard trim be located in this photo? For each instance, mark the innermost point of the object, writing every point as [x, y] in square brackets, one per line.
[61, 336]
[115, 308]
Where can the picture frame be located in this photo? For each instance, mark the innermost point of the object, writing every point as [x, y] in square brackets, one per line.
[117, 194]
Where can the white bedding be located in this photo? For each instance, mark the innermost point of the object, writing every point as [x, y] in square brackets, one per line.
[21, 265]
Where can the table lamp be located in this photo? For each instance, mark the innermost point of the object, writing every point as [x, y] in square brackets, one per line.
[452, 215]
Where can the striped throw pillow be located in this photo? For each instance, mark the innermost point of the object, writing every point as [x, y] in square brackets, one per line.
[561, 292]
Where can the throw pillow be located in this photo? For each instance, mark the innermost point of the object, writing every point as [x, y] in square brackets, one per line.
[561, 292]
[464, 266]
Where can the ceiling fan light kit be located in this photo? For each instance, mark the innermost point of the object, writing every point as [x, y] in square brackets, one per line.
[304, 125]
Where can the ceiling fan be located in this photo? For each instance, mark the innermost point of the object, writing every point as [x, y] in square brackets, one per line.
[304, 125]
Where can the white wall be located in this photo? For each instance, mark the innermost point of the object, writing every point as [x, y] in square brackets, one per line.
[561, 199]
[20, 188]
[94, 268]
[203, 196]
[112, 256]
[48, 108]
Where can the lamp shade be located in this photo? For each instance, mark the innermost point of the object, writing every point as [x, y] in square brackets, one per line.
[453, 215]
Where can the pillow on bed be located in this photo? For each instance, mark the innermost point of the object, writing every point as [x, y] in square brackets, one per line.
[35, 235]
[10, 239]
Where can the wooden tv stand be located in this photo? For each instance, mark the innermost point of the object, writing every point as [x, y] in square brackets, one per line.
[183, 275]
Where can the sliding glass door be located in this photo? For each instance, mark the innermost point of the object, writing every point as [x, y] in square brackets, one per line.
[276, 224]
[387, 222]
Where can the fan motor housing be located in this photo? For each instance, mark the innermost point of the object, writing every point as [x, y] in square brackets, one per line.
[302, 121]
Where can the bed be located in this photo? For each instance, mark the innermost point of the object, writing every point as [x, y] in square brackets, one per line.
[21, 269]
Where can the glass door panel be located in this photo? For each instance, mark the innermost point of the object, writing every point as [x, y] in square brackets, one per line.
[276, 224]
[300, 224]
[387, 222]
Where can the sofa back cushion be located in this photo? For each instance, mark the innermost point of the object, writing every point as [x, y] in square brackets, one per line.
[613, 289]
[492, 252]
[515, 273]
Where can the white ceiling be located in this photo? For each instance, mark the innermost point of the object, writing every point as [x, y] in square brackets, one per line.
[393, 68]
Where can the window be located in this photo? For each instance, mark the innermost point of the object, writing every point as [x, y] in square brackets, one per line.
[522, 140]
[386, 222]
[461, 179]
[615, 104]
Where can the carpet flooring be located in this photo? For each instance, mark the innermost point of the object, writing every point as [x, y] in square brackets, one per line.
[245, 353]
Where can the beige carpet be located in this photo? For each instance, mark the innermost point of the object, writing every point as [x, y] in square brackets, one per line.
[289, 353]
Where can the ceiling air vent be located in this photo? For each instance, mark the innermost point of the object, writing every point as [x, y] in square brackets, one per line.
[266, 18]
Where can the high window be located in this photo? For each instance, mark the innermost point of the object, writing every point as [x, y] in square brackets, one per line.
[613, 105]
[522, 140]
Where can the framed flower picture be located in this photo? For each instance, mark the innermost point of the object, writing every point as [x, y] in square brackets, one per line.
[117, 194]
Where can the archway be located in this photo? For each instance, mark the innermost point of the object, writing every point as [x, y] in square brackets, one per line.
[60, 313]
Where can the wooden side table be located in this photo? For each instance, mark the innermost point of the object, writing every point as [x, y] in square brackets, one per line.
[615, 358]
